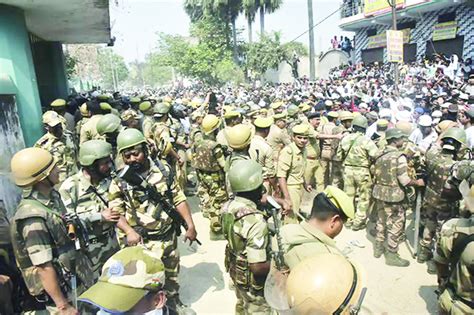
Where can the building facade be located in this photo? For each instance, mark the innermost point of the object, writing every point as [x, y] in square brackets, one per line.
[430, 27]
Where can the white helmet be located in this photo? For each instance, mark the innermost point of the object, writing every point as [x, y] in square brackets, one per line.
[425, 121]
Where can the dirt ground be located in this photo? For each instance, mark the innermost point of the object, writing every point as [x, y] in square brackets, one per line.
[390, 290]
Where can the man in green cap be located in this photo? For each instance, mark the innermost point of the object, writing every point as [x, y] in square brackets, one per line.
[85, 195]
[454, 254]
[436, 209]
[245, 229]
[357, 153]
[59, 142]
[132, 282]
[390, 179]
[291, 169]
[331, 209]
[146, 108]
[145, 214]
[59, 106]
[89, 128]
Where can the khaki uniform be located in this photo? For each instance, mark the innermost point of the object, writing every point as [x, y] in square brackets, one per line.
[301, 241]
[356, 152]
[313, 164]
[144, 213]
[39, 236]
[147, 126]
[79, 125]
[87, 202]
[221, 137]
[277, 139]
[208, 160]
[89, 129]
[459, 290]
[291, 165]
[63, 150]
[261, 152]
[246, 231]
[391, 176]
[327, 152]
[436, 210]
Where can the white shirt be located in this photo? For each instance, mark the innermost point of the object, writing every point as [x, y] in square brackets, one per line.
[470, 137]
[423, 142]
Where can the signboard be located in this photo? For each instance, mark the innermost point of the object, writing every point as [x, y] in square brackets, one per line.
[394, 46]
[376, 7]
[446, 30]
[380, 40]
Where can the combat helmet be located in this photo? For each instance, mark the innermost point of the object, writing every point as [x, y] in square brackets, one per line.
[108, 123]
[239, 136]
[93, 150]
[245, 175]
[129, 138]
[31, 165]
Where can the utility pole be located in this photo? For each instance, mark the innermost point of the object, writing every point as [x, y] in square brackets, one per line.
[396, 73]
[312, 70]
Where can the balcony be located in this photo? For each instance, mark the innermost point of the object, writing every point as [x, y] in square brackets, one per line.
[351, 8]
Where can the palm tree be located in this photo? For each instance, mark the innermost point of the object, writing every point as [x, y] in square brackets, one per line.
[267, 6]
[250, 8]
[194, 9]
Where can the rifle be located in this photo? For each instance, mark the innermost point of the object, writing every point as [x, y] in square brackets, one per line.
[417, 222]
[136, 180]
[356, 309]
[274, 208]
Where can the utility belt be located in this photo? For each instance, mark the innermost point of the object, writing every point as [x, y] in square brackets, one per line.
[154, 235]
[456, 297]
[358, 166]
[239, 271]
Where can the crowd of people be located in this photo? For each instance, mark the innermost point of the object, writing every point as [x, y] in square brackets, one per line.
[105, 191]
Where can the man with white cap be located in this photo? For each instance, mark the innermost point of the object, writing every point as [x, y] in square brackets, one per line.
[424, 135]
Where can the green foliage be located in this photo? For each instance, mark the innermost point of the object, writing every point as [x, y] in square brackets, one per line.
[70, 65]
[111, 65]
[228, 72]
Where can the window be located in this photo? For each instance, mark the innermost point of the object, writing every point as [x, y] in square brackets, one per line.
[372, 32]
[404, 25]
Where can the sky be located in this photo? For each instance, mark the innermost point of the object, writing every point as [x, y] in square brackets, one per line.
[135, 23]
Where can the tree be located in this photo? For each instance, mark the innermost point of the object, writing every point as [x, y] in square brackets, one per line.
[267, 6]
[250, 8]
[70, 65]
[268, 53]
[112, 67]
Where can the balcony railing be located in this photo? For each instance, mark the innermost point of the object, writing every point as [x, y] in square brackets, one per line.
[351, 8]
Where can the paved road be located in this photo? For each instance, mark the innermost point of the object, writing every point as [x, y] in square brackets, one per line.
[391, 290]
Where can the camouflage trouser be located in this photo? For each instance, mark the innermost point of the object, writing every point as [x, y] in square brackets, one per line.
[168, 251]
[324, 175]
[98, 252]
[296, 195]
[448, 305]
[336, 174]
[358, 182]
[313, 174]
[212, 188]
[433, 219]
[181, 172]
[249, 303]
[390, 220]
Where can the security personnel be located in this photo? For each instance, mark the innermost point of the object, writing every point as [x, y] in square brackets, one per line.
[209, 161]
[436, 209]
[379, 136]
[292, 120]
[146, 108]
[85, 116]
[162, 137]
[391, 178]
[146, 215]
[85, 195]
[345, 118]
[328, 150]
[246, 231]
[108, 127]
[89, 128]
[130, 118]
[313, 152]
[455, 248]
[59, 106]
[261, 152]
[231, 119]
[290, 171]
[356, 152]
[331, 209]
[310, 286]
[278, 136]
[59, 143]
[43, 250]
[238, 139]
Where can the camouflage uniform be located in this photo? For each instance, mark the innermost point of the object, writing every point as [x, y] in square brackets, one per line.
[391, 176]
[356, 152]
[178, 136]
[161, 137]
[89, 130]
[301, 241]
[147, 126]
[336, 167]
[436, 210]
[63, 150]
[291, 165]
[261, 152]
[459, 290]
[246, 231]
[87, 202]
[208, 160]
[39, 236]
[144, 213]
